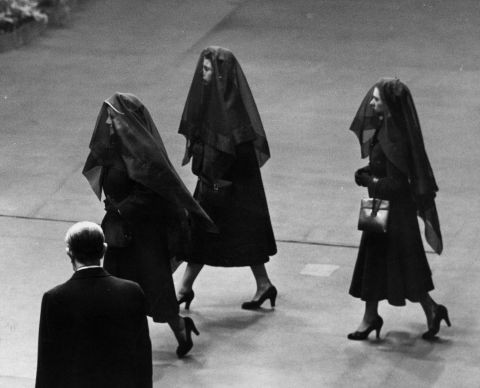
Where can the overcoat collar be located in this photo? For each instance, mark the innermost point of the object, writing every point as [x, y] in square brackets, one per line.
[96, 272]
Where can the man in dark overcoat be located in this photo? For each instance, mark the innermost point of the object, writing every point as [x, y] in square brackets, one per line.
[93, 328]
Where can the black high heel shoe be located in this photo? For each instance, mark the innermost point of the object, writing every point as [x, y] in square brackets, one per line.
[185, 347]
[441, 313]
[187, 298]
[363, 335]
[270, 293]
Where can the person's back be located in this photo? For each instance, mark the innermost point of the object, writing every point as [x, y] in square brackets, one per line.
[94, 333]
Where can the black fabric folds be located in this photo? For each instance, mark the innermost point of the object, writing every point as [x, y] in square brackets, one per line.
[400, 136]
[231, 116]
[142, 150]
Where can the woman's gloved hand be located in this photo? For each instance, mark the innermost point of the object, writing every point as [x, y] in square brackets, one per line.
[362, 177]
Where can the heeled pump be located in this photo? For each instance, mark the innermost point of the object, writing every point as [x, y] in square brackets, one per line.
[440, 314]
[363, 335]
[186, 346]
[187, 298]
[270, 293]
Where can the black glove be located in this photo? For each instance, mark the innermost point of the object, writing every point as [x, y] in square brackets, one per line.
[362, 178]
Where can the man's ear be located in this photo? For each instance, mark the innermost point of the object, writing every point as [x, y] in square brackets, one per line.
[105, 247]
[69, 252]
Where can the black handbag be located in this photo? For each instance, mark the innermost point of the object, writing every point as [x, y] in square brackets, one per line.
[116, 230]
[373, 215]
[215, 193]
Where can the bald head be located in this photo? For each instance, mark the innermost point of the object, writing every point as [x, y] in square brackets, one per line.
[85, 242]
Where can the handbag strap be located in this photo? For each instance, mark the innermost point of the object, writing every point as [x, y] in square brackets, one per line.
[377, 202]
[376, 206]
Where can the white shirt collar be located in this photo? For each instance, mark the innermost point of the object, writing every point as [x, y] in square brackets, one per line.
[88, 266]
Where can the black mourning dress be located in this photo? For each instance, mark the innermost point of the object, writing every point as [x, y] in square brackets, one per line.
[129, 163]
[226, 141]
[146, 259]
[246, 236]
[392, 266]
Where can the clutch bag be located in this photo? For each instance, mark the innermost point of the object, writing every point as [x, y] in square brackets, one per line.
[116, 229]
[373, 215]
[215, 193]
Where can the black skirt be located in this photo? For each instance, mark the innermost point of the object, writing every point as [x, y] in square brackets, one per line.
[393, 266]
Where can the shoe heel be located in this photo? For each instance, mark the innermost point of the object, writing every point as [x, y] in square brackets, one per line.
[447, 320]
[444, 315]
[273, 297]
[272, 301]
[194, 329]
[363, 335]
[379, 327]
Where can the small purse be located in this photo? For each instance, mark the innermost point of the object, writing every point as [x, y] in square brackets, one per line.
[216, 193]
[116, 230]
[373, 215]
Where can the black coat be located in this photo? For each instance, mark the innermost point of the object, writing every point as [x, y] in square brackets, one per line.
[246, 236]
[227, 145]
[94, 333]
[146, 259]
[393, 265]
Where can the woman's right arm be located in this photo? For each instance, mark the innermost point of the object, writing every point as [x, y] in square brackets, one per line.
[394, 186]
[140, 203]
[363, 176]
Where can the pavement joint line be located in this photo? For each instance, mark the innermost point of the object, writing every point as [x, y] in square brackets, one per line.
[61, 184]
[37, 218]
[339, 245]
[321, 243]
[327, 244]
[16, 377]
[317, 243]
[319, 270]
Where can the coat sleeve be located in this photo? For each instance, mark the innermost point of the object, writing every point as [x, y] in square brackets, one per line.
[141, 203]
[49, 359]
[394, 186]
[144, 351]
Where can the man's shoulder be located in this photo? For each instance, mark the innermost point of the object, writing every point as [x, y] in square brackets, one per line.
[99, 288]
[124, 283]
[125, 291]
[113, 280]
[58, 289]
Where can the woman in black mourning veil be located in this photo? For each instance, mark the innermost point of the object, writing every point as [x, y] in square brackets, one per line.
[147, 206]
[227, 145]
[393, 265]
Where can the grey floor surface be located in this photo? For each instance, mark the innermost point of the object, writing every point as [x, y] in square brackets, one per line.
[309, 64]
